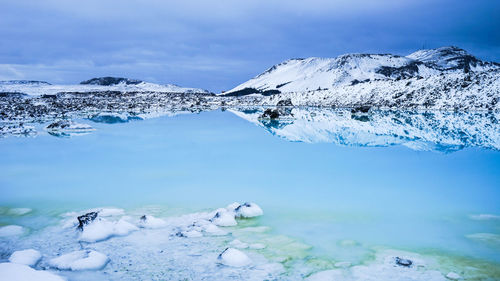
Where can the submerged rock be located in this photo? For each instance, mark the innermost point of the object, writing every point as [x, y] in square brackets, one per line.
[11, 230]
[453, 276]
[403, 262]
[233, 257]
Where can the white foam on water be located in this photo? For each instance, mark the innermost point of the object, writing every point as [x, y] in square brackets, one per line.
[485, 217]
[19, 211]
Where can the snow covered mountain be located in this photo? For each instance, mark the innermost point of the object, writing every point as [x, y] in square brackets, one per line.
[100, 84]
[442, 78]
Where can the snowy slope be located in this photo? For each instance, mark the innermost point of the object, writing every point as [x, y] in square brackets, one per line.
[41, 88]
[447, 76]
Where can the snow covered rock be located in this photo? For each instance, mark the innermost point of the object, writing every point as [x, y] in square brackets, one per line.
[80, 260]
[28, 257]
[21, 272]
[224, 218]
[248, 210]
[11, 230]
[86, 219]
[101, 229]
[148, 221]
[233, 257]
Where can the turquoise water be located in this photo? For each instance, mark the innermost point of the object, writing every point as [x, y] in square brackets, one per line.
[321, 194]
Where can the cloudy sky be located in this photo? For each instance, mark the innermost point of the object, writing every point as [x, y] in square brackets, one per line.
[218, 44]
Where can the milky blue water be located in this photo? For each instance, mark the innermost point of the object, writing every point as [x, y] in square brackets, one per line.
[321, 193]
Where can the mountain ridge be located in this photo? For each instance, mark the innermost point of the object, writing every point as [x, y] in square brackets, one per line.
[305, 74]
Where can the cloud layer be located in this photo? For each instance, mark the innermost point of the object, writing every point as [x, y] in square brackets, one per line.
[219, 44]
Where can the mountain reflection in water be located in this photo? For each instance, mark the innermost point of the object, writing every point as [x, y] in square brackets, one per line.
[424, 131]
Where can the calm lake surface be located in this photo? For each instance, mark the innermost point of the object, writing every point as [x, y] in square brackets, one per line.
[337, 194]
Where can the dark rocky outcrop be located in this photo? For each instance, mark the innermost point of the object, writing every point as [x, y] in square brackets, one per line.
[61, 124]
[108, 81]
[12, 95]
[286, 102]
[249, 91]
[86, 219]
[404, 72]
[403, 262]
[270, 114]
[361, 109]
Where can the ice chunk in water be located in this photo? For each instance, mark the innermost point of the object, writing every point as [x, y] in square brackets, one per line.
[21, 272]
[28, 257]
[80, 260]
